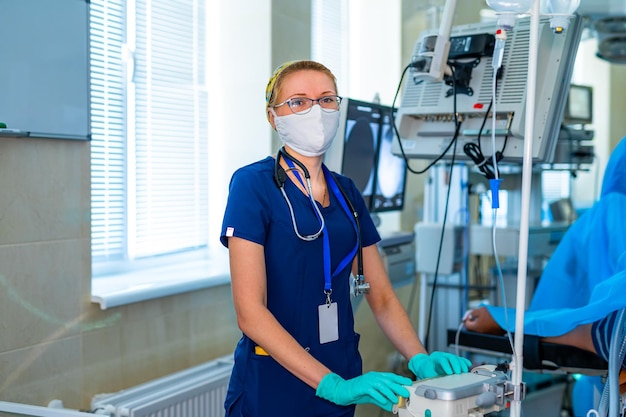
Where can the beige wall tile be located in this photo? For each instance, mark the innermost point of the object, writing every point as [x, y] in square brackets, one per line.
[38, 374]
[156, 347]
[102, 366]
[39, 297]
[46, 190]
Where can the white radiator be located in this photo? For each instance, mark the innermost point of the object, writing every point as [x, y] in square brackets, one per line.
[194, 392]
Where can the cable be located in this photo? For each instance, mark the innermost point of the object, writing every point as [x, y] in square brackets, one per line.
[453, 142]
[488, 165]
[397, 134]
[445, 215]
[457, 338]
[494, 181]
[475, 153]
[431, 164]
[501, 279]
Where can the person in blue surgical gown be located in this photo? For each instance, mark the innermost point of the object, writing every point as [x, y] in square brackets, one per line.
[583, 286]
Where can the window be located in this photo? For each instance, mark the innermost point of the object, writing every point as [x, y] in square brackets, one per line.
[329, 26]
[149, 148]
[555, 185]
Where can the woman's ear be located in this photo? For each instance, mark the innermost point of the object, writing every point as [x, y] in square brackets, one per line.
[270, 118]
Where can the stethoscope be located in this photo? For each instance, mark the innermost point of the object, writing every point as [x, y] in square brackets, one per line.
[280, 176]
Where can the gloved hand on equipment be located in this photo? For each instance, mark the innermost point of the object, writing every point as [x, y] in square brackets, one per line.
[380, 388]
[437, 363]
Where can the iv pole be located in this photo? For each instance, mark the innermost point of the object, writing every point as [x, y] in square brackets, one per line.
[439, 58]
[518, 362]
[438, 62]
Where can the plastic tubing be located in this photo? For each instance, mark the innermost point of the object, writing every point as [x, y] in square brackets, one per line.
[615, 362]
[609, 402]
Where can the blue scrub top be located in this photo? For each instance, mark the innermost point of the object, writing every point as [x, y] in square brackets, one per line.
[256, 211]
[585, 279]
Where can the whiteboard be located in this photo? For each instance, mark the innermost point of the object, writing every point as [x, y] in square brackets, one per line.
[44, 67]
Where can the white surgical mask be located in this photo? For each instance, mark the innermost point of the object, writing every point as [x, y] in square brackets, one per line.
[309, 134]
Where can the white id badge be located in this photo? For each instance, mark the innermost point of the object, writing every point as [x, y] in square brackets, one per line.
[328, 322]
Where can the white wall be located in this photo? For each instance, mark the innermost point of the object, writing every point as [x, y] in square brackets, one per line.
[237, 124]
[374, 49]
[591, 70]
[375, 61]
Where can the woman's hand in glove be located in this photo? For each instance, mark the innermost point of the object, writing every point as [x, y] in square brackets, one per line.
[380, 388]
[437, 363]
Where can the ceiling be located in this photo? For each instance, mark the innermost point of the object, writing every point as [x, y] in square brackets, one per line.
[608, 25]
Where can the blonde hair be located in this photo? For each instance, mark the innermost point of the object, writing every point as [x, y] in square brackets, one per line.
[274, 85]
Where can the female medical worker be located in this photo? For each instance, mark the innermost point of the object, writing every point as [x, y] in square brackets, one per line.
[292, 240]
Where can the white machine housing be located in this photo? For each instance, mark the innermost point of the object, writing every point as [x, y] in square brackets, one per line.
[425, 118]
[473, 394]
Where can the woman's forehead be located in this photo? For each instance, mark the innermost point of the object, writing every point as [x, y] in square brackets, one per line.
[305, 81]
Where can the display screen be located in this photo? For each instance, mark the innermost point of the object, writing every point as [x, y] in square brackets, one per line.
[367, 158]
[390, 181]
[362, 151]
[579, 107]
[362, 130]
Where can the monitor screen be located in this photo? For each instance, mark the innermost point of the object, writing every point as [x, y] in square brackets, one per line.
[579, 107]
[362, 151]
[362, 130]
[391, 171]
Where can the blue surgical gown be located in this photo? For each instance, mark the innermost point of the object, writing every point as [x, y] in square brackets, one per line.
[256, 211]
[585, 278]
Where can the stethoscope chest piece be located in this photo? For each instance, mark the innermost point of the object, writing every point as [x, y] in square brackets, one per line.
[359, 285]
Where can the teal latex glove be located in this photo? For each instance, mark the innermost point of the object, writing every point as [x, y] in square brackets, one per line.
[437, 363]
[380, 388]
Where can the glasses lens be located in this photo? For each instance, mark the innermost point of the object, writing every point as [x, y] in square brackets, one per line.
[330, 103]
[300, 104]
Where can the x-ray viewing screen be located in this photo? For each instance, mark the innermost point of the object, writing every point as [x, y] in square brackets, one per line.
[362, 151]
[362, 129]
[390, 183]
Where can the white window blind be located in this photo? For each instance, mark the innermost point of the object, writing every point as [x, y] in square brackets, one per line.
[108, 202]
[149, 133]
[555, 185]
[329, 38]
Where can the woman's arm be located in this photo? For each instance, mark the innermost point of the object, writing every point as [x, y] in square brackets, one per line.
[249, 288]
[388, 311]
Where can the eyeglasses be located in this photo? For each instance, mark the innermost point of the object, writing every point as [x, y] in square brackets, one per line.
[303, 105]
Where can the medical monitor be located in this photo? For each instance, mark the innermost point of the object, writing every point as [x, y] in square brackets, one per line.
[425, 118]
[579, 106]
[390, 174]
[362, 151]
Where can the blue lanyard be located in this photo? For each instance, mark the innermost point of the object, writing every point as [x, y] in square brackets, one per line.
[330, 181]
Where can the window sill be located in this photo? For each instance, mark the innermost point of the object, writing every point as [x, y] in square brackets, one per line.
[121, 288]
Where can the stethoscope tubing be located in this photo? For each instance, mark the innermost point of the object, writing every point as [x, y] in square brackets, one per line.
[280, 177]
